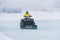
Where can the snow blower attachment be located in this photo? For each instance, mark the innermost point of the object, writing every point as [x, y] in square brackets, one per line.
[27, 23]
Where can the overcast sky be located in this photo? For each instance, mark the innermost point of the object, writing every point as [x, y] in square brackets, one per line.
[30, 4]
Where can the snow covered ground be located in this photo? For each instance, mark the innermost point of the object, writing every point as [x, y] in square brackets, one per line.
[48, 26]
[4, 37]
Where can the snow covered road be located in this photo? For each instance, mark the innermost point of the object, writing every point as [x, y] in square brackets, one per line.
[47, 30]
[48, 26]
[4, 37]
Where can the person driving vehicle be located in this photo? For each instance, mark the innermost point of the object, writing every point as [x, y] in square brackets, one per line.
[27, 14]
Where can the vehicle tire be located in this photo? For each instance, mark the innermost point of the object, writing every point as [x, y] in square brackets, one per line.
[21, 23]
[34, 26]
[22, 26]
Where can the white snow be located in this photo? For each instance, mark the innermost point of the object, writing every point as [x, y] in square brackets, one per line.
[4, 37]
[37, 15]
[48, 26]
[30, 4]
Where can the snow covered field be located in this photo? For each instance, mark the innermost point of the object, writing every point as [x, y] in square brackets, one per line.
[4, 37]
[48, 26]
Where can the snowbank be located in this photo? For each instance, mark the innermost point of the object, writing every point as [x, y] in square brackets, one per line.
[3, 37]
[37, 15]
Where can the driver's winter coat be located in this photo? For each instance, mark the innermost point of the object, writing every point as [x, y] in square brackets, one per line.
[27, 15]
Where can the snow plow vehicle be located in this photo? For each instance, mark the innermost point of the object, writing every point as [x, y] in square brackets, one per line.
[27, 23]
